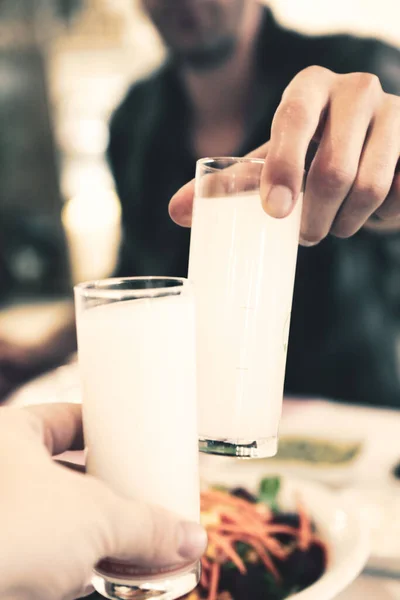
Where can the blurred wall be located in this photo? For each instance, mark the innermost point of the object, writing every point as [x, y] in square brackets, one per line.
[32, 249]
[377, 18]
[103, 49]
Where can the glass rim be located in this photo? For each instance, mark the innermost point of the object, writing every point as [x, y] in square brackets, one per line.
[234, 159]
[206, 165]
[205, 162]
[103, 288]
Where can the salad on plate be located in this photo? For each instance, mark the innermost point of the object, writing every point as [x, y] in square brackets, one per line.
[255, 550]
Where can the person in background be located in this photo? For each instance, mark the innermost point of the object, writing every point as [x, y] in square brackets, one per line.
[233, 79]
[56, 524]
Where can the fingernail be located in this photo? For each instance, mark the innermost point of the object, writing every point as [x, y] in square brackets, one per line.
[184, 219]
[279, 201]
[307, 244]
[192, 541]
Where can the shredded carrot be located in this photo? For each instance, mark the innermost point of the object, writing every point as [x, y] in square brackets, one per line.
[228, 528]
[275, 548]
[204, 580]
[232, 520]
[205, 563]
[282, 529]
[229, 551]
[213, 590]
[271, 543]
[227, 498]
[231, 513]
[266, 559]
[305, 529]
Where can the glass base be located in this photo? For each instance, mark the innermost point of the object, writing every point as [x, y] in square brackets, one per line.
[163, 587]
[262, 448]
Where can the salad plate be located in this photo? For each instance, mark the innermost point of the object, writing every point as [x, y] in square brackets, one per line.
[294, 539]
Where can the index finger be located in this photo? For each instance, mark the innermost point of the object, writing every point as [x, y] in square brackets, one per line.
[296, 123]
[181, 204]
[61, 425]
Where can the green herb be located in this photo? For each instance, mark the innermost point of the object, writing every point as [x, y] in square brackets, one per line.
[242, 549]
[268, 492]
[229, 566]
[273, 590]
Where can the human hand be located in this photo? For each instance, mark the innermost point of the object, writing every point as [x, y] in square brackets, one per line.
[351, 129]
[56, 524]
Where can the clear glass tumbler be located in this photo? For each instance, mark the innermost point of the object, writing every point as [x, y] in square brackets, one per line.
[242, 264]
[136, 349]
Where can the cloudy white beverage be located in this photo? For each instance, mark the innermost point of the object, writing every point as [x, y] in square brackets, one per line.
[242, 264]
[136, 344]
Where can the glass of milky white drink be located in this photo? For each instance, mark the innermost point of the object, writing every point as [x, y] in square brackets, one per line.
[136, 348]
[242, 264]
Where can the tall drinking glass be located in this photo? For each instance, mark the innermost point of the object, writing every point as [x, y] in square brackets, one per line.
[136, 345]
[242, 264]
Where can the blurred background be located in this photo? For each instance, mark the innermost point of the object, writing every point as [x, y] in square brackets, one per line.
[64, 66]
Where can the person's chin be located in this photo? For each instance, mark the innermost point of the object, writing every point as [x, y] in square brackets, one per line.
[206, 58]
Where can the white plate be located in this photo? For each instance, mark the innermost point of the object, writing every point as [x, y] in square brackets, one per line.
[379, 507]
[341, 528]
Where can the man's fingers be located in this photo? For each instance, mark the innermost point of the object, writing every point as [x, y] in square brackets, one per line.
[335, 166]
[376, 174]
[61, 426]
[390, 209]
[296, 123]
[260, 152]
[181, 204]
[148, 536]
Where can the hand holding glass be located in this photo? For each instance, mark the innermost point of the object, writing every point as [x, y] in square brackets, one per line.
[136, 344]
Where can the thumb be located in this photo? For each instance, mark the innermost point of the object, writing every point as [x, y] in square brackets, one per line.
[149, 535]
[181, 204]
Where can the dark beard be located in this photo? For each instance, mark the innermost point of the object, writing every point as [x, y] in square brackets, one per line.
[204, 59]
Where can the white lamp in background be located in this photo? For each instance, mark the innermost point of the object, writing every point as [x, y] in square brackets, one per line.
[92, 223]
